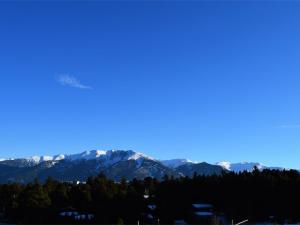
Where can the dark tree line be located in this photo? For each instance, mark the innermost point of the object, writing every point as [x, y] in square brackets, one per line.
[256, 196]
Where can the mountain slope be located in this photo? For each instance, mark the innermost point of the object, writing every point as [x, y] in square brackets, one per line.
[200, 169]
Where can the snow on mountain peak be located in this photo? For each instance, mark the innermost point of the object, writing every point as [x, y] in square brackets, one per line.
[243, 166]
[226, 165]
[86, 155]
[59, 157]
[46, 158]
[110, 154]
[38, 159]
[138, 155]
[108, 157]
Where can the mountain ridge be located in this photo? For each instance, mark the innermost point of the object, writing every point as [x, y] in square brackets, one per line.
[116, 164]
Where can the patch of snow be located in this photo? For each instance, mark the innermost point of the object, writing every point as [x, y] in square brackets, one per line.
[59, 157]
[35, 159]
[87, 155]
[240, 167]
[46, 158]
[136, 156]
[173, 163]
[226, 165]
[244, 166]
[39, 159]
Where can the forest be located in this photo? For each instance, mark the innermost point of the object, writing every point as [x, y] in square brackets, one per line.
[257, 196]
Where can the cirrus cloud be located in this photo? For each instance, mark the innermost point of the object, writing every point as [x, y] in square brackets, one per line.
[289, 126]
[67, 80]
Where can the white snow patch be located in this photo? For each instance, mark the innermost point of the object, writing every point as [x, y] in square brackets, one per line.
[244, 166]
[87, 155]
[226, 165]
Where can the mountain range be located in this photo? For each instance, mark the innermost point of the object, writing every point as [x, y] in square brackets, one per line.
[115, 164]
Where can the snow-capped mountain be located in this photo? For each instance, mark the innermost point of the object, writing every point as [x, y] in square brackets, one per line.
[245, 166]
[116, 164]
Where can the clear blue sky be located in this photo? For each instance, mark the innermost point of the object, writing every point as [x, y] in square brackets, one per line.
[208, 81]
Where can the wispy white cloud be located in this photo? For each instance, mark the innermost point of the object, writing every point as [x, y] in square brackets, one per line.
[67, 80]
[289, 126]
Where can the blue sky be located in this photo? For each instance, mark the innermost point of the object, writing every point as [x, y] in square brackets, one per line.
[208, 81]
